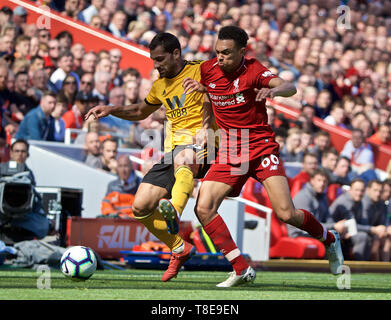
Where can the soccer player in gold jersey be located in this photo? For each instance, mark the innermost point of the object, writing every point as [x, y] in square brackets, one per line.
[185, 149]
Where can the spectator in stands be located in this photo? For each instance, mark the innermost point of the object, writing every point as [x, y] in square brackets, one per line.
[105, 15]
[120, 192]
[6, 97]
[38, 123]
[87, 83]
[382, 136]
[22, 47]
[68, 91]
[102, 83]
[90, 11]
[117, 24]
[323, 104]
[386, 197]
[103, 54]
[131, 74]
[23, 96]
[39, 83]
[360, 155]
[336, 116]
[71, 8]
[312, 197]
[65, 39]
[19, 153]
[373, 116]
[54, 50]
[74, 117]
[5, 15]
[78, 52]
[341, 171]
[116, 98]
[131, 92]
[103, 65]
[160, 23]
[36, 63]
[366, 127]
[310, 164]
[375, 218]
[19, 19]
[108, 156]
[310, 95]
[44, 35]
[291, 152]
[92, 149]
[88, 64]
[59, 123]
[280, 136]
[34, 44]
[115, 55]
[385, 115]
[7, 45]
[329, 163]
[96, 22]
[306, 140]
[346, 207]
[111, 5]
[65, 67]
[321, 144]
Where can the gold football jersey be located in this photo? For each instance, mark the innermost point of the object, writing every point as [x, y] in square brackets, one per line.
[183, 111]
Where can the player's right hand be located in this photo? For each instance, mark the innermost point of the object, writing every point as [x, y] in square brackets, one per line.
[190, 85]
[98, 112]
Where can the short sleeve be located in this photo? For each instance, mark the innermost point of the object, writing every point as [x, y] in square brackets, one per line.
[152, 97]
[262, 76]
[203, 72]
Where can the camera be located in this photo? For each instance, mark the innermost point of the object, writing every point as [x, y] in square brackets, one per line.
[16, 190]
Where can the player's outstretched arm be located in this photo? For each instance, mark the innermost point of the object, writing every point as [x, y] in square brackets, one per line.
[190, 85]
[133, 112]
[277, 87]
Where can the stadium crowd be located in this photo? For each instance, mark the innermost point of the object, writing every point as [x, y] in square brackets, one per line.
[342, 74]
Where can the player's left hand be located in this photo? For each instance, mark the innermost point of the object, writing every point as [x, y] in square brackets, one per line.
[190, 85]
[263, 93]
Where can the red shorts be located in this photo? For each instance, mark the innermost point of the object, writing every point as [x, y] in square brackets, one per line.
[236, 176]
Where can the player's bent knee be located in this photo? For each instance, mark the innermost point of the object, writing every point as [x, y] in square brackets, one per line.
[286, 216]
[140, 210]
[203, 213]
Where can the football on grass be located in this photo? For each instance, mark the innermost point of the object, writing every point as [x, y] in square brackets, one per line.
[78, 263]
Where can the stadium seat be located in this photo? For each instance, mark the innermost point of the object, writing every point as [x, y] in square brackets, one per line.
[281, 245]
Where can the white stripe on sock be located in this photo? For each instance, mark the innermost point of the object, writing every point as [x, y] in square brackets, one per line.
[233, 254]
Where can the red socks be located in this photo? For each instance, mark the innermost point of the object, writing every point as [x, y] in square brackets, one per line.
[315, 229]
[218, 232]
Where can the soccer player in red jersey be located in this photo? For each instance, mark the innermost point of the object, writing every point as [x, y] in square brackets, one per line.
[238, 88]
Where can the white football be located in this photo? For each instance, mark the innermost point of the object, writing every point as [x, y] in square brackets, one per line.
[78, 263]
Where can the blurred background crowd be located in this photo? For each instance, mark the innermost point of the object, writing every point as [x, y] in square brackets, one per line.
[341, 68]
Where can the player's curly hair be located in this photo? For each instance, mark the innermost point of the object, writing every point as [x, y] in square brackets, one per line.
[167, 40]
[238, 35]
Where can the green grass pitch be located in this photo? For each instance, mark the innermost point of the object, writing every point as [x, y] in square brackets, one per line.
[136, 284]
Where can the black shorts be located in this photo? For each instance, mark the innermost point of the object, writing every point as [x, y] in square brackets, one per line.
[162, 173]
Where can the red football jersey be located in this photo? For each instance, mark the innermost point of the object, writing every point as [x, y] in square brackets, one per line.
[234, 106]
